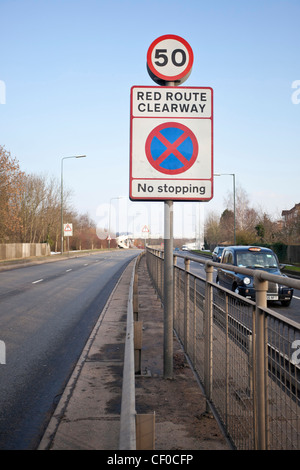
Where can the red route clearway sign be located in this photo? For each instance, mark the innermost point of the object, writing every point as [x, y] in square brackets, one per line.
[171, 143]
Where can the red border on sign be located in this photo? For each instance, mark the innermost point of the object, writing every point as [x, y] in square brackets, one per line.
[171, 148]
[166, 77]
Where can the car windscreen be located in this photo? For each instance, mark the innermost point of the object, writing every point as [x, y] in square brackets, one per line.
[252, 259]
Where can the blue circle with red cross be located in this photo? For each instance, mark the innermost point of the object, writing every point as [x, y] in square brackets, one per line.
[171, 148]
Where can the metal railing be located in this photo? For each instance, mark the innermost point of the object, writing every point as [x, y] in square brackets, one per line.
[244, 354]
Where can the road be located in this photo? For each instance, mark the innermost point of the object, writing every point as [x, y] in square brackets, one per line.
[292, 312]
[47, 313]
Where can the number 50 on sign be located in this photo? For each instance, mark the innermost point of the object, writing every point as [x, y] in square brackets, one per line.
[169, 59]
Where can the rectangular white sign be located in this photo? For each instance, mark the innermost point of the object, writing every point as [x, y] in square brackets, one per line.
[171, 102]
[171, 145]
[68, 230]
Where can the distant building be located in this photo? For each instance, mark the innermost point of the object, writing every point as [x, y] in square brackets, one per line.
[292, 214]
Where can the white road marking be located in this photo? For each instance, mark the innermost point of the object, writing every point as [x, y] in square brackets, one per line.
[68, 270]
[39, 280]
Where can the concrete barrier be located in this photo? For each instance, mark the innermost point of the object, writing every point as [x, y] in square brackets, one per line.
[23, 250]
[137, 431]
[128, 412]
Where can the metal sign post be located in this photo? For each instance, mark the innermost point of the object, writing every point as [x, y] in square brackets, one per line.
[162, 48]
[171, 150]
[168, 289]
[168, 285]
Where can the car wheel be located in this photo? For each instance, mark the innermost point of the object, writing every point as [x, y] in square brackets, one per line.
[285, 303]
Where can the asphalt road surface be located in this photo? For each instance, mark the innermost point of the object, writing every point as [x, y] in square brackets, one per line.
[47, 313]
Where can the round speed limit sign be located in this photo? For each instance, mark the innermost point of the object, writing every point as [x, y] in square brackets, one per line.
[169, 59]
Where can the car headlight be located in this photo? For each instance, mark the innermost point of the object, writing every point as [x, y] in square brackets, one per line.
[246, 281]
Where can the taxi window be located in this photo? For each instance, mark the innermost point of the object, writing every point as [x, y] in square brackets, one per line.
[228, 257]
[225, 256]
[256, 260]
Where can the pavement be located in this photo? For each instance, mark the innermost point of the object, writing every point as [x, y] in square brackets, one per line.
[87, 416]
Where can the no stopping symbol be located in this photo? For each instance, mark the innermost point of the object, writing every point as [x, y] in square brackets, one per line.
[171, 148]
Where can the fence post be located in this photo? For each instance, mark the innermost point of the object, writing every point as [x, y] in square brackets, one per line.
[135, 296]
[195, 324]
[260, 388]
[158, 265]
[208, 346]
[175, 292]
[186, 302]
[227, 407]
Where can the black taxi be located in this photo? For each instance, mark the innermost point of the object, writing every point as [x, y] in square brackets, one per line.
[252, 257]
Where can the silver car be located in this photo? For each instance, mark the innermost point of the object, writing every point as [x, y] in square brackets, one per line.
[217, 253]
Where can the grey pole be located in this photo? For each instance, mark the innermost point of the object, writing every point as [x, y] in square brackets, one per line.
[168, 285]
[234, 210]
[61, 207]
[168, 289]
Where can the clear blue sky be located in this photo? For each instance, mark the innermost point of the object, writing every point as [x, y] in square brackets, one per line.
[68, 66]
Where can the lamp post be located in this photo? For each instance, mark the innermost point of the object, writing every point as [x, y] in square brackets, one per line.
[234, 211]
[62, 198]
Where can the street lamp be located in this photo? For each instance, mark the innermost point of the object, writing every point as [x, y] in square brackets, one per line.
[62, 198]
[234, 213]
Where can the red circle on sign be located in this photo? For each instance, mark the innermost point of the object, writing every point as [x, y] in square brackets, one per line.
[163, 58]
[171, 148]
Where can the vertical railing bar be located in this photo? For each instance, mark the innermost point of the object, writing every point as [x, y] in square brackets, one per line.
[227, 361]
[175, 309]
[208, 336]
[195, 323]
[186, 302]
[261, 288]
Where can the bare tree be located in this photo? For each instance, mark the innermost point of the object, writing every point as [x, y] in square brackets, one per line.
[30, 209]
[40, 210]
[212, 229]
[11, 186]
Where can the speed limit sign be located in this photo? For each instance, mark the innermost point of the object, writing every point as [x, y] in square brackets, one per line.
[169, 59]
